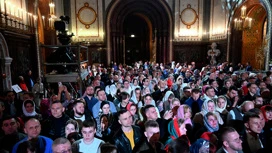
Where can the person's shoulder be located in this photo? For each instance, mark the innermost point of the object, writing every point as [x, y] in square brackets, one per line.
[46, 138]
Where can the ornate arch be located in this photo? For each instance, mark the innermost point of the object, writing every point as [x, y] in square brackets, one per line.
[268, 7]
[5, 64]
[157, 11]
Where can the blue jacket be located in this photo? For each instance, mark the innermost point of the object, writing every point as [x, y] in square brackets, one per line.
[47, 147]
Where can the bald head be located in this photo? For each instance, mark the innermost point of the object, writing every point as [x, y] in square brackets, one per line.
[247, 105]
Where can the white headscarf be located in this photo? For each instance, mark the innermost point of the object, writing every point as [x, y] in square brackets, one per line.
[166, 96]
[24, 109]
[205, 110]
[220, 110]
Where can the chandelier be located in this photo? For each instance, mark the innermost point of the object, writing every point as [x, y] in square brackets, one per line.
[243, 22]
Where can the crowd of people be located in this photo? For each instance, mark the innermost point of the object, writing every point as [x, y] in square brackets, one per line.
[144, 108]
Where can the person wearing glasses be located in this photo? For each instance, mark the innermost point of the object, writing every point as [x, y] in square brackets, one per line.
[61, 145]
[231, 141]
[33, 129]
[11, 135]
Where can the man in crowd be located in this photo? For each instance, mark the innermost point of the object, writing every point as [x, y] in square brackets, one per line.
[151, 143]
[232, 97]
[101, 95]
[79, 112]
[151, 114]
[128, 135]
[61, 145]
[195, 102]
[13, 107]
[231, 141]
[88, 142]
[253, 138]
[11, 135]
[54, 126]
[32, 130]
[89, 98]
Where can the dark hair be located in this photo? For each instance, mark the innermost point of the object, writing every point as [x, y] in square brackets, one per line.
[80, 100]
[255, 110]
[107, 148]
[104, 103]
[211, 81]
[195, 90]
[208, 88]
[73, 136]
[31, 94]
[151, 123]
[7, 117]
[268, 108]
[28, 102]
[98, 87]
[89, 123]
[178, 146]
[124, 95]
[55, 102]
[148, 95]
[225, 131]
[232, 88]
[27, 145]
[122, 111]
[249, 84]
[249, 115]
[146, 108]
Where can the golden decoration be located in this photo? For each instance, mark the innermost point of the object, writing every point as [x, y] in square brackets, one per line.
[93, 14]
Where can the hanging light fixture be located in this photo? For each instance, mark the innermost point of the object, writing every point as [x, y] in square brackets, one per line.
[243, 22]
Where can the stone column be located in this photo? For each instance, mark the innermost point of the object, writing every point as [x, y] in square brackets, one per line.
[5, 66]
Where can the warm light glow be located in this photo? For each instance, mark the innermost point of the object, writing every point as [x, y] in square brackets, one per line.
[132, 36]
[243, 12]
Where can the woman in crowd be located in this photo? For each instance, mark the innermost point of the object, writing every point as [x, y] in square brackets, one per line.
[220, 107]
[225, 88]
[184, 112]
[71, 126]
[136, 96]
[132, 108]
[104, 111]
[267, 113]
[210, 125]
[208, 106]
[28, 108]
[167, 100]
[176, 128]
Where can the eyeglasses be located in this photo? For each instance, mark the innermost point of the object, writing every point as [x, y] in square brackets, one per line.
[11, 124]
[237, 140]
[64, 151]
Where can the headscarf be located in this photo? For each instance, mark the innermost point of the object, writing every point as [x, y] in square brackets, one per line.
[24, 109]
[133, 97]
[199, 146]
[173, 129]
[181, 114]
[208, 126]
[220, 110]
[204, 111]
[166, 96]
[263, 111]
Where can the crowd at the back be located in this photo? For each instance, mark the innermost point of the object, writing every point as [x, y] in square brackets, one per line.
[145, 108]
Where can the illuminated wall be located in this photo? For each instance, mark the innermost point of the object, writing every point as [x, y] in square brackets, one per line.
[87, 20]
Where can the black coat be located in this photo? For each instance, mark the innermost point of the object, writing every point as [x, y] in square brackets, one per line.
[122, 142]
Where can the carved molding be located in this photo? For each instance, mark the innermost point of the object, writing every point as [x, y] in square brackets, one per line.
[86, 11]
[185, 13]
